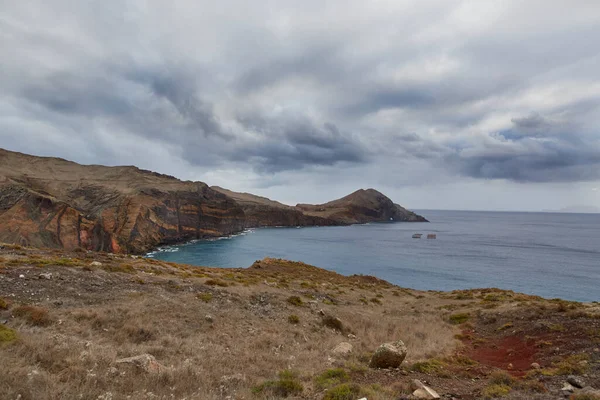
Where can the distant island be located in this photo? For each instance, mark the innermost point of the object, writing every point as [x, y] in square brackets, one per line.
[52, 202]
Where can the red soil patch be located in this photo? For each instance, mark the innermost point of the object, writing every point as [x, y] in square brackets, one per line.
[501, 352]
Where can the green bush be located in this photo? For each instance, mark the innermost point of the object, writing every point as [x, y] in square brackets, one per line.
[293, 319]
[7, 335]
[287, 385]
[332, 377]
[295, 301]
[345, 391]
[493, 391]
[458, 319]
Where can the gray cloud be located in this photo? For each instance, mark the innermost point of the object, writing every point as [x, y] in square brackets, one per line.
[292, 142]
[444, 91]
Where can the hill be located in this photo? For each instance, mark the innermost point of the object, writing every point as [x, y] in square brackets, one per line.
[70, 323]
[51, 202]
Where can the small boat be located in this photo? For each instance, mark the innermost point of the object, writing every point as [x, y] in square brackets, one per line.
[417, 235]
[431, 236]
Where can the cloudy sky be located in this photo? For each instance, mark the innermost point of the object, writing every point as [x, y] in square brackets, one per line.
[439, 104]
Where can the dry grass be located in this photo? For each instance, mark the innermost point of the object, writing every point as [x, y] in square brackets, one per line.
[67, 342]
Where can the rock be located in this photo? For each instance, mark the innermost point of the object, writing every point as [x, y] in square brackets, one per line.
[145, 362]
[422, 391]
[342, 349]
[535, 366]
[209, 318]
[21, 276]
[567, 389]
[351, 336]
[96, 264]
[576, 381]
[389, 355]
[47, 275]
[509, 367]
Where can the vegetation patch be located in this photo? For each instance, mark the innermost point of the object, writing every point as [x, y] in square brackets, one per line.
[216, 282]
[4, 304]
[295, 301]
[344, 391]
[33, 315]
[7, 335]
[459, 318]
[293, 319]
[205, 297]
[428, 367]
[287, 385]
[493, 391]
[331, 377]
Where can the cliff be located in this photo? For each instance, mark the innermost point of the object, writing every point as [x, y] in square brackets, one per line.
[51, 202]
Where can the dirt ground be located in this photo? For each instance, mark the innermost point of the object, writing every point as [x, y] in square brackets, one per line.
[267, 332]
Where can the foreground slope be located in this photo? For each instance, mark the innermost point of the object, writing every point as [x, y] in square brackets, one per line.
[51, 202]
[68, 319]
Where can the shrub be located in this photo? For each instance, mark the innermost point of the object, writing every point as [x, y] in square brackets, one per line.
[34, 315]
[293, 319]
[493, 391]
[295, 301]
[345, 391]
[205, 297]
[458, 319]
[428, 367]
[332, 377]
[375, 300]
[4, 304]
[285, 386]
[7, 335]
[501, 378]
[216, 282]
[333, 323]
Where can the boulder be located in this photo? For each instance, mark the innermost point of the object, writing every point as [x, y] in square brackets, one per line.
[567, 389]
[96, 264]
[342, 349]
[389, 355]
[576, 381]
[535, 366]
[145, 362]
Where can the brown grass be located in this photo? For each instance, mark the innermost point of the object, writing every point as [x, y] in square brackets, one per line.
[37, 316]
[251, 331]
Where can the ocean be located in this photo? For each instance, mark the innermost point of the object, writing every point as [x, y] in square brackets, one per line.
[552, 255]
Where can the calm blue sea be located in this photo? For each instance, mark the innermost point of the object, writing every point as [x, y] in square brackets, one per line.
[546, 254]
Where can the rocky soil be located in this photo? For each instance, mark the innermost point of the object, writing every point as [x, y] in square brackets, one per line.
[106, 326]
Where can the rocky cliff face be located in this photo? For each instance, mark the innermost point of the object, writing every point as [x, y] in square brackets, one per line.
[50, 202]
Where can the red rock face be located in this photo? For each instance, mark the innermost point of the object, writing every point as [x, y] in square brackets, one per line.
[49, 202]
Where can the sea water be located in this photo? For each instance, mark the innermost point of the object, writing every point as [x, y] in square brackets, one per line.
[546, 254]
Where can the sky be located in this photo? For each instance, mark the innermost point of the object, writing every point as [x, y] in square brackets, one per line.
[483, 105]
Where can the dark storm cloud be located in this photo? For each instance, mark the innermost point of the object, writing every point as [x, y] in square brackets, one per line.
[534, 150]
[295, 142]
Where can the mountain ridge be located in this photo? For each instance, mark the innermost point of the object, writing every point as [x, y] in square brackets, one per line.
[56, 203]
